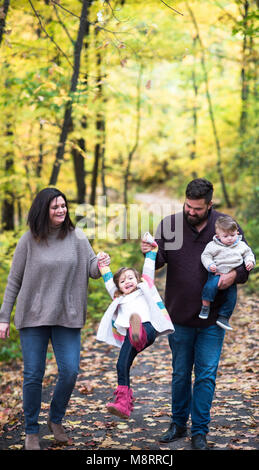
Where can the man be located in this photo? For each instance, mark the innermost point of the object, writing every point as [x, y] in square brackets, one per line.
[196, 343]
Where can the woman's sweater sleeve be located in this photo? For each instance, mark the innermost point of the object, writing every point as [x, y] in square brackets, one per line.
[15, 278]
[94, 270]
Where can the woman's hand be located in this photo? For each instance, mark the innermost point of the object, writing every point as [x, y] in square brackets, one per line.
[103, 259]
[4, 330]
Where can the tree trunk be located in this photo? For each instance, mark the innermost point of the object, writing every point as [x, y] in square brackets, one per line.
[244, 90]
[194, 109]
[67, 123]
[40, 159]
[79, 167]
[100, 127]
[211, 113]
[4, 12]
[8, 202]
[9, 199]
[136, 143]
[97, 157]
[78, 158]
[103, 167]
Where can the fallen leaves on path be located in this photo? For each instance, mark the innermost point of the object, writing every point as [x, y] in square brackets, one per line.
[91, 427]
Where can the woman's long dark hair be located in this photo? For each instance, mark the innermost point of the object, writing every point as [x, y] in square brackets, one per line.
[38, 217]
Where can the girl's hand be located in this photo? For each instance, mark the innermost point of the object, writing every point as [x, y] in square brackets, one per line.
[4, 330]
[103, 259]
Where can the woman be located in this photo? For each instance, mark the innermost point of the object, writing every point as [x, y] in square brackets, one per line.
[49, 277]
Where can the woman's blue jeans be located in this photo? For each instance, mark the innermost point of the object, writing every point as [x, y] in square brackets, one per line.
[210, 291]
[197, 348]
[66, 346]
[128, 354]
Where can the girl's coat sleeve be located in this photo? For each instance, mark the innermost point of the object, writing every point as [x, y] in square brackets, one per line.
[160, 318]
[107, 331]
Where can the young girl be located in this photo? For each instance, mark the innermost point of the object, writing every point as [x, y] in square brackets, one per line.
[132, 321]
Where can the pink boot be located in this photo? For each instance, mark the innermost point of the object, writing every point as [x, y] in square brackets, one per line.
[137, 333]
[122, 405]
[131, 399]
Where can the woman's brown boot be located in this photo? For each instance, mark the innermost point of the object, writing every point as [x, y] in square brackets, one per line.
[32, 442]
[58, 431]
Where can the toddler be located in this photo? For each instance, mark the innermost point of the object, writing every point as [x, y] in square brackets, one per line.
[132, 321]
[226, 252]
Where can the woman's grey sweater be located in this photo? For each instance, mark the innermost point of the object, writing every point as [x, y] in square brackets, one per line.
[50, 281]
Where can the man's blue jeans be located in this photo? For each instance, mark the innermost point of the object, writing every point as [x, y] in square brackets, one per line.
[210, 291]
[66, 346]
[197, 348]
[128, 354]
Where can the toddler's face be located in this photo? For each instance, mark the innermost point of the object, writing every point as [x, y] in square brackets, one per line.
[228, 238]
[127, 282]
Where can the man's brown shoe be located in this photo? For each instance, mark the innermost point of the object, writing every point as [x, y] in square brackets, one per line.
[174, 432]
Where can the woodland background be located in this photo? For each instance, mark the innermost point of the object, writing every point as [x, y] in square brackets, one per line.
[118, 98]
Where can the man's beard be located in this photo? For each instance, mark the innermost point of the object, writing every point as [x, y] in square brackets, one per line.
[196, 219]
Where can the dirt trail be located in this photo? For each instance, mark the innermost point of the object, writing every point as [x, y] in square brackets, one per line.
[91, 428]
[152, 201]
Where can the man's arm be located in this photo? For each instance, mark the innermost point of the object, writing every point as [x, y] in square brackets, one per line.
[160, 256]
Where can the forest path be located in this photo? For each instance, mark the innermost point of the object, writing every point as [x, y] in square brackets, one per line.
[152, 201]
[90, 427]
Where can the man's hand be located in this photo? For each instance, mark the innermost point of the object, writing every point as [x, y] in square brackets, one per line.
[145, 247]
[226, 280]
[4, 330]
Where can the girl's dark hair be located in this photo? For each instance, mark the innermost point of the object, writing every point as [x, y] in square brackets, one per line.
[200, 188]
[38, 217]
[118, 274]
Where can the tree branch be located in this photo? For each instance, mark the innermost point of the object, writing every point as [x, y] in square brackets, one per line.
[65, 9]
[171, 8]
[63, 25]
[47, 34]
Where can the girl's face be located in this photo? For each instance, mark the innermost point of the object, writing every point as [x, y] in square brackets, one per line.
[228, 238]
[127, 282]
[57, 211]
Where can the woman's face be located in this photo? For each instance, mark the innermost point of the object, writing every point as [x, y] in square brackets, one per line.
[57, 211]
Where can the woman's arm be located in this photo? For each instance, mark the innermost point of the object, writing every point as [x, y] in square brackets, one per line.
[14, 280]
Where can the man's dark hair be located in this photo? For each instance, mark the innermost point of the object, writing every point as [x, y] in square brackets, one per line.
[200, 188]
[38, 217]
